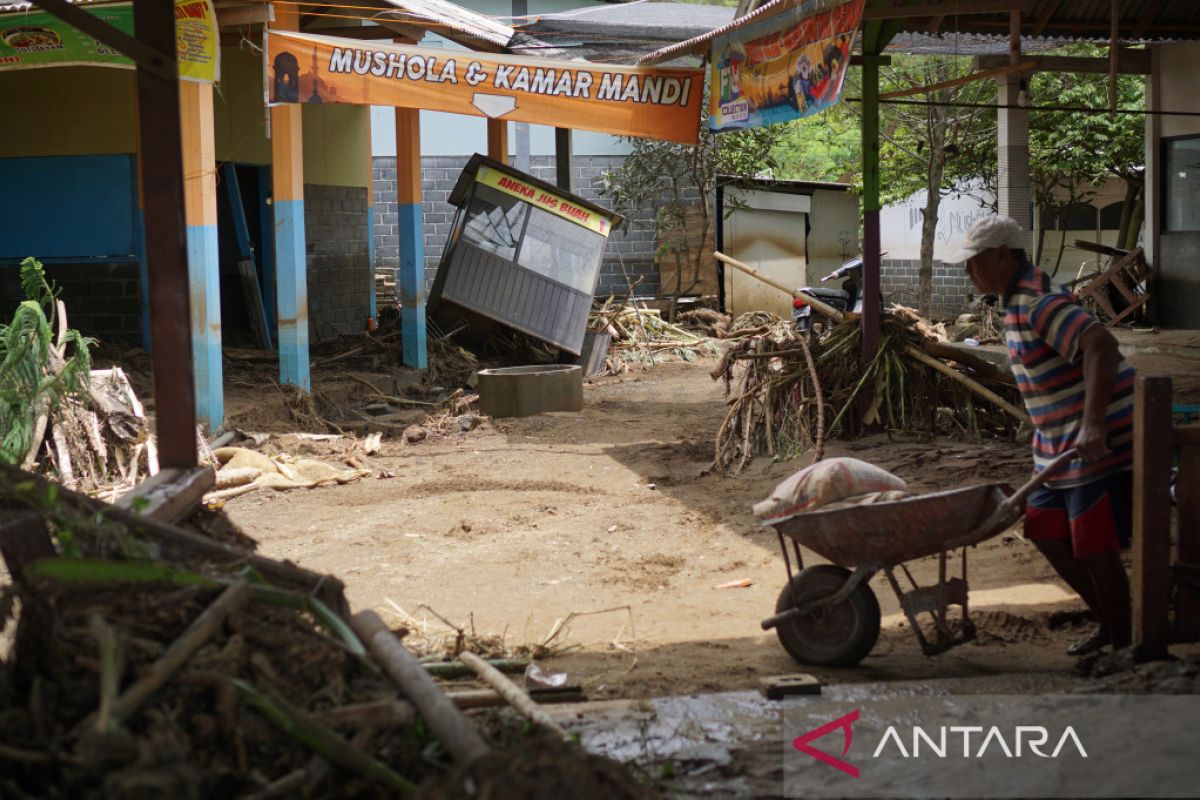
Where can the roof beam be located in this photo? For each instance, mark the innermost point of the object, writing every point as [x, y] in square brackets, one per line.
[941, 9]
[1007, 69]
[1047, 14]
[1151, 14]
[1131, 62]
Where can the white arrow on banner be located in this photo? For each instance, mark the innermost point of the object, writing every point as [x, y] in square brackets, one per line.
[494, 105]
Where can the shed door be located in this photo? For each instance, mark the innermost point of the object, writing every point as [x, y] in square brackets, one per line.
[766, 231]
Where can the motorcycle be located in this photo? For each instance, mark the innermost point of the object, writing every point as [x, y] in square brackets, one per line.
[846, 298]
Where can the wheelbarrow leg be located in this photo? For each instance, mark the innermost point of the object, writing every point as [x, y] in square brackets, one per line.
[926, 647]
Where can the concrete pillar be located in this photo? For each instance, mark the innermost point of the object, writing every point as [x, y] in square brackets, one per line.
[411, 226]
[1015, 197]
[291, 259]
[204, 268]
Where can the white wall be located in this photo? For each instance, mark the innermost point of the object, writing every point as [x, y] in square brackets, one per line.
[900, 226]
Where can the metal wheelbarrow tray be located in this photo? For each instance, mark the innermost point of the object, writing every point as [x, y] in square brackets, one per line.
[828, 615]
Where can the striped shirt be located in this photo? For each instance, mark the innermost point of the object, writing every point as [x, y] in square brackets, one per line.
[1044, 325]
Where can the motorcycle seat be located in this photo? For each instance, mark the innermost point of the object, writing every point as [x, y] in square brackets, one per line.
[827, 294]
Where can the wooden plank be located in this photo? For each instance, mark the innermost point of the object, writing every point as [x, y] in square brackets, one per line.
[1187, 494]
[1114, 49]
[170, 495]
[1151, 580]
[685, 235]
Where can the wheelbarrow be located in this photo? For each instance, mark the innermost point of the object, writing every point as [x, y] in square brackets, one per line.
[827, 614]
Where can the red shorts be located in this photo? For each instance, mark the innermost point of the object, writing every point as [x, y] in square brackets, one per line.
[1097, 517]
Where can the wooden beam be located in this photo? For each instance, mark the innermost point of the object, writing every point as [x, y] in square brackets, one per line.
[1114, 48]
[170, 495]
[411, 225]
[497, 140]
[1151, 13]
[360, 32]
[1132, 62]
[1047, 14]
[1187, 493]
[242, 15]
[160, 137]
[950, 84]
[1151, 584]
[934, 10]
[562, 158]
[936, 23]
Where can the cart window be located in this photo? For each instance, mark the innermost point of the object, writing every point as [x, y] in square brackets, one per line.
[494, 222]
[561, 250]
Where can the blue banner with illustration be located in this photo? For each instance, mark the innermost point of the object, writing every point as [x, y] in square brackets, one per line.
[777, 70]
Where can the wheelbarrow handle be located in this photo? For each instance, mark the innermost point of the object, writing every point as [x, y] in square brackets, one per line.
[1009, 510]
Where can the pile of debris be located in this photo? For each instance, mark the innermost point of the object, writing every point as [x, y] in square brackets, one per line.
[788, 392]
[152, 660]
[640, 334]
[57, 414]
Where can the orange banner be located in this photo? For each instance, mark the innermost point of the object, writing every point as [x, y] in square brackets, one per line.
[658, 103]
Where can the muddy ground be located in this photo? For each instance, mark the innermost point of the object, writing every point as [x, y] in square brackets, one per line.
[517, 524]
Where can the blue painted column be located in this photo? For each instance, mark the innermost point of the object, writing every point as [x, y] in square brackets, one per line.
[411, 218]
[291, 259]
[204, 273]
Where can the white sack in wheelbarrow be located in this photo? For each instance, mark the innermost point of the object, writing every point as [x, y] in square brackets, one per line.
[825, 482]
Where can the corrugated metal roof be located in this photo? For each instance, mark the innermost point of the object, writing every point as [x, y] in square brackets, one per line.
[448, 19]
[799, 9]
[1058, 20]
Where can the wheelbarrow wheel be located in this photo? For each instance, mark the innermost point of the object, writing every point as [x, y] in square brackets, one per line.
[837, 636]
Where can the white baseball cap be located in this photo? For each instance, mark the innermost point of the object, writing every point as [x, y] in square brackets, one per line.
[990, 232]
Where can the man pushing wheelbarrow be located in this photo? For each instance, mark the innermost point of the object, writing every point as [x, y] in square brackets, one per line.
[1077, 508]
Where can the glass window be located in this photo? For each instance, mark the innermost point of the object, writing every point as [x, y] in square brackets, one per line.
[494, 222]
[561, 250]
[1183, 184]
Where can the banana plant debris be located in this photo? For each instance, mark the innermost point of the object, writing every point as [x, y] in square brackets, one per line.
[155, 660]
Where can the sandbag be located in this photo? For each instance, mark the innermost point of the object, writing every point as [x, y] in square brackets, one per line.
[823, 483]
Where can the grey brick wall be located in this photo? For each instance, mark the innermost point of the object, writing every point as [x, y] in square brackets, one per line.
[102, 299]
[339, 281]
[629, 252]
[952, 291]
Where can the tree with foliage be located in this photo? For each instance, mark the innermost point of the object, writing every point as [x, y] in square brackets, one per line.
[36, 371]
[823, 147]
[937, 147]
[663, 178]
[1071, 151]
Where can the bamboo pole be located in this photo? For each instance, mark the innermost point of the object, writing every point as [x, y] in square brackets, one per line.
[982, 391]
[182, 649]
[453, 730]
[512, 693]
[817, 305]
[950, 84]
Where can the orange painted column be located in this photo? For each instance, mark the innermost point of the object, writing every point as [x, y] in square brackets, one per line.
[497, 140]
[204, 271]
[287, 203]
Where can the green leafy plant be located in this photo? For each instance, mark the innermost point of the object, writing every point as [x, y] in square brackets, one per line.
[36, 373]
